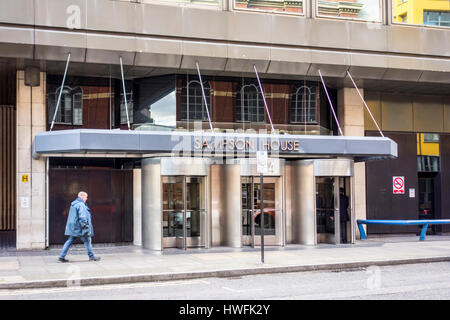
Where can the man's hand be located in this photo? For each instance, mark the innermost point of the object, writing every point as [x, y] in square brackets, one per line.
[85, 231]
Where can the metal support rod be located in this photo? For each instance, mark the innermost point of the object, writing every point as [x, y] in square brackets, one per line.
[262, 216]
[264, 98]
[365, 104]
[423, 233]
[124, 93]
[331, 104]
[60, 92]
[361, 231]
[204, 96]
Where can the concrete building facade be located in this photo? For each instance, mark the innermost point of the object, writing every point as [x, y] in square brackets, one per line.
[100, 84]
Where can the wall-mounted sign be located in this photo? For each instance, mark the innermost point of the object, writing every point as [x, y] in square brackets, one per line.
[398, 184]
[261, 162]
[24, 202]
[243, 144]
[25, 178]
[412, 192]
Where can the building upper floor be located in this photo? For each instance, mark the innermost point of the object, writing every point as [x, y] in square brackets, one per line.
[287, 38]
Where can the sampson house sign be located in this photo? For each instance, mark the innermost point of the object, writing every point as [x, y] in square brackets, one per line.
[246, 144]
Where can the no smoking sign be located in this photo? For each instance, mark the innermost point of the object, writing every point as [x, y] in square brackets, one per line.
[398, 184]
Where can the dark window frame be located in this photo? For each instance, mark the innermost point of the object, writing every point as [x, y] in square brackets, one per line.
[69, 116]
[199, 111]
[296, 117]
[243, 108]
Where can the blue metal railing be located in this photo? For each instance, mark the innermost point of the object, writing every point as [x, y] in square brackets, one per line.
[424, 222]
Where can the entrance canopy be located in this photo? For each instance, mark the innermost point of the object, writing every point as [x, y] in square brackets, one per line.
[211, 144]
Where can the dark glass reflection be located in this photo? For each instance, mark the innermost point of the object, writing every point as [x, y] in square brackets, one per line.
[325, 205]
[249, 213]
[155, 103]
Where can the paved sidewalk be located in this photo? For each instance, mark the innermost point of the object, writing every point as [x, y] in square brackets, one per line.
[122, 264]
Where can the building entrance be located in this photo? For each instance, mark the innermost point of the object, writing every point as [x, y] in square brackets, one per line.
[184, 212]
[332, 210]
[251, 211]
[427, 198]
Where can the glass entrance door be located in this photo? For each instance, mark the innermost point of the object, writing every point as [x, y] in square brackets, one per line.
[427, 194]
[325, 209]
[333, 210]
[184, 213]
[251, 211]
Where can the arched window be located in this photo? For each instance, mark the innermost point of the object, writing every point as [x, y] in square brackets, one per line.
[303, 105]
[250, 104]
[70, 109]
[192, 102]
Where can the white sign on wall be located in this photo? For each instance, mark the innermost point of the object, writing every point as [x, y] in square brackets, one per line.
[398, 184]
[261, 162]
[24, 202]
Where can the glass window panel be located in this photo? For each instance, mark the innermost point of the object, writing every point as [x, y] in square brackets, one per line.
[123, 108]
[155, 104]
[276, 6]
[368, 10]
[436, 18]
[66, 107]
[431, 137]
[193, 101]
[78, 107]
[250, 104]
[428, 164]
[303, 105]
[70, 109]
[163, 111]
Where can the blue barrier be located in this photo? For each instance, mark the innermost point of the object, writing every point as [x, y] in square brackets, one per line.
[425, 224]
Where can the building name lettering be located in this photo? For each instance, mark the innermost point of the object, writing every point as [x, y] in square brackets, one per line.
[245, 145]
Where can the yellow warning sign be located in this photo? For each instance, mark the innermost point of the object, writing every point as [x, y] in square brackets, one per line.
[25, 178]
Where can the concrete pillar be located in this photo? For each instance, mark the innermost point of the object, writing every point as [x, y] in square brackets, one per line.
[303, 202]
[226, 206]
[31, 119]
[351, 119]
[151, 205]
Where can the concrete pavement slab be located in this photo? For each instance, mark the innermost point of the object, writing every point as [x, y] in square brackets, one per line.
[121, 264]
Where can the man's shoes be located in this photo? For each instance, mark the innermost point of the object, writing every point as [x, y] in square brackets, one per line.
[94, 259]
[63, 260]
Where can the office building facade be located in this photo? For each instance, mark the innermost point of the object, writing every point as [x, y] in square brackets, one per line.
[157, 109]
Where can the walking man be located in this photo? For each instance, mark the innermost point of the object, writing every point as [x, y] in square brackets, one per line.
[79, 225]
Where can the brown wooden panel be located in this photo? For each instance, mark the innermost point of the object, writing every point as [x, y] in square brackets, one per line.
[380, 200]
[110, 200]
[7, 84]
[7, 167]
[278, 100]
[222, 101]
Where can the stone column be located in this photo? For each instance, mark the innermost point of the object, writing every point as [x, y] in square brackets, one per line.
[151, 219]
[351, 119]
[31, 195]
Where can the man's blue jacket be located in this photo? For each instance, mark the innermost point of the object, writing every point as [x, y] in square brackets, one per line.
[79, 221]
